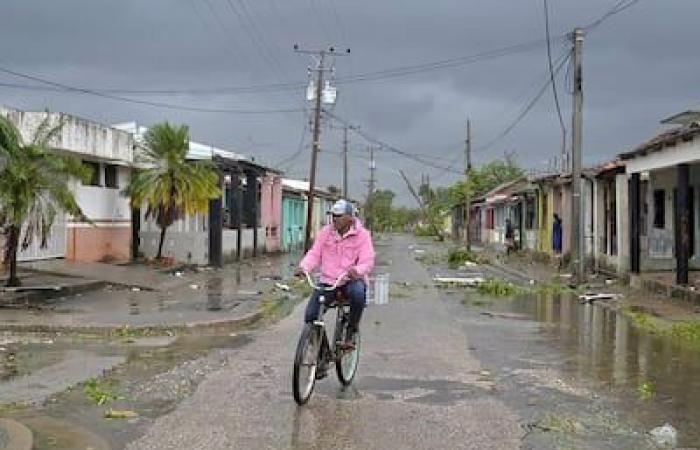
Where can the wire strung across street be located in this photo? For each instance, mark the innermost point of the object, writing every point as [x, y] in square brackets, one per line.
[363, 77]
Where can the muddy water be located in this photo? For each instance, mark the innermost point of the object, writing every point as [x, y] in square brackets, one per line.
[654, 379]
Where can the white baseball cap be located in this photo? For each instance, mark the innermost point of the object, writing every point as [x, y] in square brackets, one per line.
[342, 207]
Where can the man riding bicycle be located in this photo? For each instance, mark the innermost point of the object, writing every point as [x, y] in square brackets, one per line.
[344, 246]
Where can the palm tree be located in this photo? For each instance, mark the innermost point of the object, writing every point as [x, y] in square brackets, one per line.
[34, 187]
[171, 186]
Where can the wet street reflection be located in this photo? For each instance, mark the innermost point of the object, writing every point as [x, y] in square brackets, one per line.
[214, 294]
[656, 377]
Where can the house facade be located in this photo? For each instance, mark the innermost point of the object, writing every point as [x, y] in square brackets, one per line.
[664, 178]
[243, 222]
[109, 152]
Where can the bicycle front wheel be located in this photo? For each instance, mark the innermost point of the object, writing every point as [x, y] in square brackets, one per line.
[306, 363]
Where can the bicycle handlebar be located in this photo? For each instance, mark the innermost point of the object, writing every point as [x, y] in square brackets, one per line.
[333, 287]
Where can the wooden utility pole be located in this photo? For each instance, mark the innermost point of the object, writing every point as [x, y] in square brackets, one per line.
[467, 200]
[577, 248]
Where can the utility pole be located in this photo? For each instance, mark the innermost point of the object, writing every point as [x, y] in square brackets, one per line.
[370, 190]
[316, 144]
[467, 170]
[345, 162]
[577, 248]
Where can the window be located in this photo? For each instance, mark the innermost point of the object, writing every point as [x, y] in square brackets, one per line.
[659, 208]
[111, 178]
[94, 168]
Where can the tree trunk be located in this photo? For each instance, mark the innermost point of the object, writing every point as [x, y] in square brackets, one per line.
[162, 239]
[12, 243]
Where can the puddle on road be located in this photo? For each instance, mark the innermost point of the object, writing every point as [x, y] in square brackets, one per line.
[656, 379]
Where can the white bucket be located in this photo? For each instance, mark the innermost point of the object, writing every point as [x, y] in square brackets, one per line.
[378, 289]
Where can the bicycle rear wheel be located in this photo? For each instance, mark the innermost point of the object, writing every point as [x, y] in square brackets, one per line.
[347, 360]
[306, 363]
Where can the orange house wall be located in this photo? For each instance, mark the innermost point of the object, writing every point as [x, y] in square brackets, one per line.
[93, 244]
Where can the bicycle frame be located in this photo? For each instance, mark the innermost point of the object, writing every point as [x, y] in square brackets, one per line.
[327, 349]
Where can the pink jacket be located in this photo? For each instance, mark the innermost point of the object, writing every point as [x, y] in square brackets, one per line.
[337, 254]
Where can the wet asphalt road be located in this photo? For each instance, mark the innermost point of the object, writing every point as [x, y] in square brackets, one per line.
[418, 386]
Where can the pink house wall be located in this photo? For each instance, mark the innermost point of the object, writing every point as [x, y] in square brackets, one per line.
[271, 211]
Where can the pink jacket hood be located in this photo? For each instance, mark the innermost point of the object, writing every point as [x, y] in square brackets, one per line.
[336, 254]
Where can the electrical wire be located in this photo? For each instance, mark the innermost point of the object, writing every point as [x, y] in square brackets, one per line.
[362, 77]
[171, 106]
[619, 7]
[562, 61]
[385, 146]
[553, 81]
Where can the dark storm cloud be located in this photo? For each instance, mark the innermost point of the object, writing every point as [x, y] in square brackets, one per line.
[640, 66]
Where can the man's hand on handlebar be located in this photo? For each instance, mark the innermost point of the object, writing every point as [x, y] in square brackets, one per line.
[353, 274]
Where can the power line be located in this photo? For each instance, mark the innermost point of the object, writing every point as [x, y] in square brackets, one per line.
[619, 7]
[319, 17]
[563, 60]
[362, 77]
[300, 148]
[219, 27]
[553, 81]
[144, 102]
[388, 147]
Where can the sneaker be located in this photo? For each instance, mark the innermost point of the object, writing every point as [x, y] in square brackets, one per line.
[349, 344]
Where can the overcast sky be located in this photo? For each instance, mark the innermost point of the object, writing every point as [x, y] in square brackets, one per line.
[640, 66]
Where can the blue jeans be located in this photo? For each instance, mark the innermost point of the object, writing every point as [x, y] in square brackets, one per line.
[354, 291]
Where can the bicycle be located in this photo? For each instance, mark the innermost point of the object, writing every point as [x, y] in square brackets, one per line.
[314, 349]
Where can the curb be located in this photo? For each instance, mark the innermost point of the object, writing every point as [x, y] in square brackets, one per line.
[20, 437]
[34, 296]
[158, 328]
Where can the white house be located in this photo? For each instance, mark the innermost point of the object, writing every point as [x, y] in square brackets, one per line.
[110, 153]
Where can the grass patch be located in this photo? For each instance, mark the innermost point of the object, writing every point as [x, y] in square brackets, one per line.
[500, 288]
[646, 390]
[459, 256]
[686, 331]
[552, 289]
[641, 319]
[7, 409]
[100, 392]
[431, 259]
[561, 425]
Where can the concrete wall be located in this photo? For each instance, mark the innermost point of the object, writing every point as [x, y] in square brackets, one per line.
[108, 237]
[105, 243]
[623, 224]
[103, 204]
[77, 135]
[271, 212]
[187, 240]
[230, 243]
[658, 246]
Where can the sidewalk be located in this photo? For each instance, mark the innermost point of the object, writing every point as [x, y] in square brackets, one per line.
[658, 297]
[150, 300]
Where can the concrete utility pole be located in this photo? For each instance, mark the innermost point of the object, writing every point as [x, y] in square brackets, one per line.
[345, 162]
[316, 144]
[370, 190]
[577, 248]
[467, 170]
